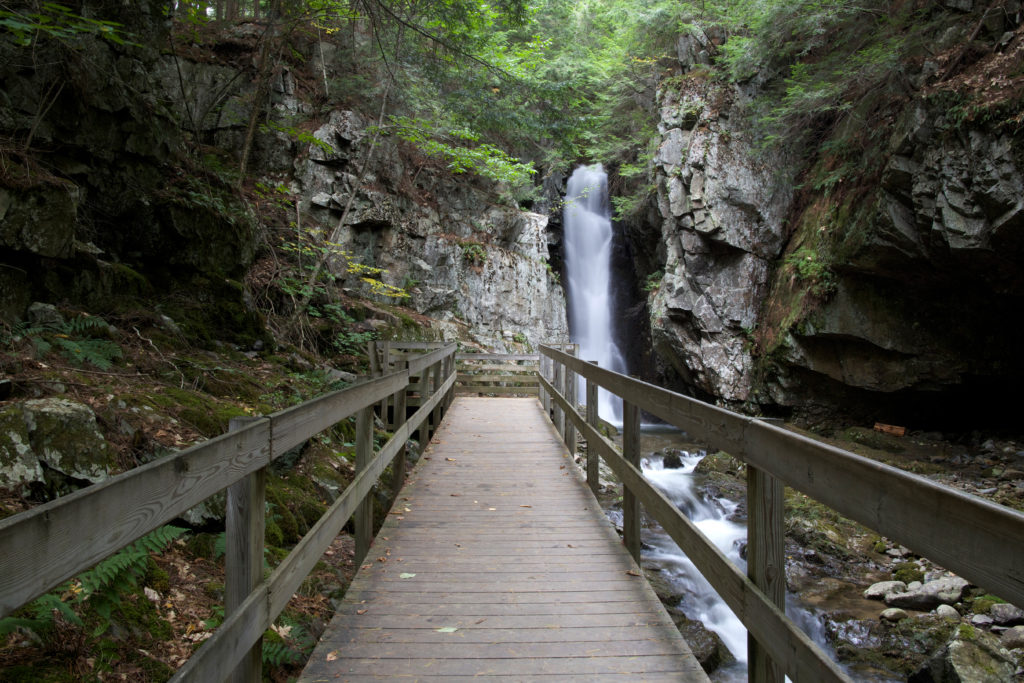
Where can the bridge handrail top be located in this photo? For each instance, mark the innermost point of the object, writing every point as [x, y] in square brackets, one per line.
[898, 504]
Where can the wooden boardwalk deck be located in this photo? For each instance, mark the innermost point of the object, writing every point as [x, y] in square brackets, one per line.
[498, 564]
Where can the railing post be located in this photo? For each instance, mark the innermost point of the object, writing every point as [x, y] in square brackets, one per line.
[385, 368]
[245, 522]
[765, 560]
[398, 464]
[363, 519]
[560, 388]
[424, 391]
[438, 381]
[542, 371]
[593, 479]
[452, 368]
[571, 393]
[630, 504]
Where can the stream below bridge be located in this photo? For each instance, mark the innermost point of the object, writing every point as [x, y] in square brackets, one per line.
[723, 521]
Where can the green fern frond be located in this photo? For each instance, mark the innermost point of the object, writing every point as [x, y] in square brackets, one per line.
[278, 654]
[84, 324]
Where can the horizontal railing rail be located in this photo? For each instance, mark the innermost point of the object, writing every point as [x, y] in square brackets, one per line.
[981, 541]
[49, 544]
[497, 374]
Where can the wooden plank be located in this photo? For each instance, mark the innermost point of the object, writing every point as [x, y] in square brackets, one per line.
[364, 511]
[519, 379]
[594, 664]
[417, 345]
[631, 453]
[497, 367]
[497, 391]
[979, 540]
[292, 426]
[424, 361]
[720, 428]
[450, 561]
[53, 542]
[245, 521]
[766, 561]
[219, 654]
[593, 476]
[497, 356]
[801, 658]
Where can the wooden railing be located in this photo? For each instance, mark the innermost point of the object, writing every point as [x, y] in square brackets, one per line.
[497, 374]
[981, 541]
[49, 544]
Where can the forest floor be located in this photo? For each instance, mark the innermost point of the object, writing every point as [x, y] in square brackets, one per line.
[159, 395]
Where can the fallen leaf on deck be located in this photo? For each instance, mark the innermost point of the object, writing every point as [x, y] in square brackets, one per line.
[492, 508]
[633, 572]
[450, 459]
[331, 656]
[406, 575]
[526, 506]
[360, 611]
[447, 629]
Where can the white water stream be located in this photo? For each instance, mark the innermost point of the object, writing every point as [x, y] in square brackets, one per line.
[711, 517]
[588, 248]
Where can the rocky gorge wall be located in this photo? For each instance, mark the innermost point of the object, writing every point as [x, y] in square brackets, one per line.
[126, 208]
[891, 295]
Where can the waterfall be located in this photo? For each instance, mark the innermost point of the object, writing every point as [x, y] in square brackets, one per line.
[588, 248]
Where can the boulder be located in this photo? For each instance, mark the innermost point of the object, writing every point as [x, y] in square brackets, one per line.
[1013, 638]
[40, 220]
[883, 589]
[50, 438]
[1005, 614]
[971, 656]
[892, 614]
[945, 591]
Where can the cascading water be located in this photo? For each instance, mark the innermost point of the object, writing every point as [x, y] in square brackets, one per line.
[712, 518]
[588, 248]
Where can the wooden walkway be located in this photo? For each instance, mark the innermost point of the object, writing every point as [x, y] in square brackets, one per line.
[498, 564]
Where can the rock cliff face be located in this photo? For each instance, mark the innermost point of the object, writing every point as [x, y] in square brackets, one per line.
[899, 299]
[125, 208]
[477, 267]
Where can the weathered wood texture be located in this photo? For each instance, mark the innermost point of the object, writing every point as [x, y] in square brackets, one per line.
[979, 540]
[511, 570]
[493, 374]
[800, 658]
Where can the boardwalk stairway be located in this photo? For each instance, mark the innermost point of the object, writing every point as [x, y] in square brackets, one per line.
[497, 562]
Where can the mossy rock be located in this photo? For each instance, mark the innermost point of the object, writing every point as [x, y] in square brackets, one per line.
[983, 603]
[872, 439]
[202, 545]
[207, 414]
[211, 309]
[156, 578]
[720, 462]
[907, 572]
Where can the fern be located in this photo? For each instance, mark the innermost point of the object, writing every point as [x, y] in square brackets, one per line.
[104, 584]
[98, 352]
[41, 612]
[277, 654]
[71, 339]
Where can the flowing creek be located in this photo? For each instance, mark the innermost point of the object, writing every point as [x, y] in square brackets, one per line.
[716, 518]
